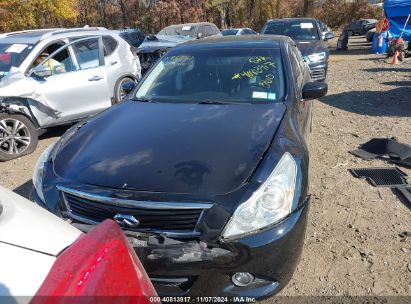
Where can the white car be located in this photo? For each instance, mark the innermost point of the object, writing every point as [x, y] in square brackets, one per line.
[56, 77]
[41, 254]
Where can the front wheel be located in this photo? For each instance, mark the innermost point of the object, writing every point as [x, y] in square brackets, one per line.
[119, 93]
[18, 136]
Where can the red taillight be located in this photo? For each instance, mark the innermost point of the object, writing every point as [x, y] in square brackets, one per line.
[99, 264]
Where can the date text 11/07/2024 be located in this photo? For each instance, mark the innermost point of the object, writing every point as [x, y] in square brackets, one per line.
[201, 299]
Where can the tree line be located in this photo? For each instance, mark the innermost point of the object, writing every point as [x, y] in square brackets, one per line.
[152, 15]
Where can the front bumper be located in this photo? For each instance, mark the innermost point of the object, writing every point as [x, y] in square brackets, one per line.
[190, 267]
[195, 267]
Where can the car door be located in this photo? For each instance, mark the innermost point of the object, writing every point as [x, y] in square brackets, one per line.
[79, 87]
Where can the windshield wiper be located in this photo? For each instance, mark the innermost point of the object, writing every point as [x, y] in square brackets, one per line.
[219, 102]
[145, 99]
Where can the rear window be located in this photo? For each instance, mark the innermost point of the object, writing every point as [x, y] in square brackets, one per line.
[225, 75]
[297, 30]
[229, 32]
[180, 30]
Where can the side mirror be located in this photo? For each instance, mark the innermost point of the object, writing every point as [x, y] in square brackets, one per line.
[328, 36]
[199, 35]
[314, 90]
[42, 71]
[128, 87]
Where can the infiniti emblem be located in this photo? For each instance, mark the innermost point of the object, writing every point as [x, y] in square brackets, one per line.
[126, 220]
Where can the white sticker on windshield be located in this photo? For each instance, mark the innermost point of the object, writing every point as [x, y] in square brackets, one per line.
[262, 95]
[272, 96]
[16, 48]
[307, 25]
[186, 28]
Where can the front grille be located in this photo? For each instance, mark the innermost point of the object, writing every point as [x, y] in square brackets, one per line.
[318, 73]
[176, 217]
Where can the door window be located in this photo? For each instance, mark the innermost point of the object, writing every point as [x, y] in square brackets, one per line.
[59, 63]
[202, 30]
[87, 53]
[110, 44]
[56, 60]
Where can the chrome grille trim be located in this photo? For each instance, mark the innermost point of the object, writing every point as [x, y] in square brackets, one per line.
[132, 203]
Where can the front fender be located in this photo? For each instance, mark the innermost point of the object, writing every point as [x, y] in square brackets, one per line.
[18, 106]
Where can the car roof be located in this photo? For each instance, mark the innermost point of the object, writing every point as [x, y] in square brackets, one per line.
[247, 41]
[191, 24]
[34, 36]
[285, 20]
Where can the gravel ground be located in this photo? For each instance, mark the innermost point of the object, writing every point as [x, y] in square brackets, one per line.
[353, 244]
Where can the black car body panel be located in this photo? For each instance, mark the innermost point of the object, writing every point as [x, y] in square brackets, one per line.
[361, 27]
[307, 47]
[188, 156]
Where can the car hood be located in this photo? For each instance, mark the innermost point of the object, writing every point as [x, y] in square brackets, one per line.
[311, 47]
[24, 224]
[171, 148]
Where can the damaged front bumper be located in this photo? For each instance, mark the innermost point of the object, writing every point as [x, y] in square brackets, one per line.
[192, 267]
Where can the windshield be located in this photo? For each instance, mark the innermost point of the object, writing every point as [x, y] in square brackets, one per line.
[181, 30]
[229, 32]
[12, 55]
[218, 75]
[297, 30]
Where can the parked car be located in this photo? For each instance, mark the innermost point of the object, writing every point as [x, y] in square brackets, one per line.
[360, 27]
[50, 258]
[325, 30]
[56, 77]
[308, 36]
[238, 32]
[191, 30]
[211, 185]
[150, 48]
[370, 35]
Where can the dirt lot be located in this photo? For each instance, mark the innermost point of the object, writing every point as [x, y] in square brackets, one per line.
[352, 245]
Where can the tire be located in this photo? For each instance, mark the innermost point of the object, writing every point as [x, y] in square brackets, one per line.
[21, 141]
[401, 56]
[118, 94]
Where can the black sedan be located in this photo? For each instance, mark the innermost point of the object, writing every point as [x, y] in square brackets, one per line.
[309, 38]
[205, 167]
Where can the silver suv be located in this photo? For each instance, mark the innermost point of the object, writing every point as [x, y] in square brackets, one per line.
[56, 77]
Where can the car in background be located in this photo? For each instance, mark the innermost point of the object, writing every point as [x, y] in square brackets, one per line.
[234, 115]
[360, 27]
[191, 30]
[238, 32]
[370, 35]
[308, 36]
[150, 48]
[56, 77]
[325, 30]
[51, 258]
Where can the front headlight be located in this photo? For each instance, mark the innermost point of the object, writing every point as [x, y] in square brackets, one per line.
[317, 57]
[38, 174]
[271, 203]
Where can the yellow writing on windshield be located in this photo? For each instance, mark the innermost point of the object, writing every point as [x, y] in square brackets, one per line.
[250, 73]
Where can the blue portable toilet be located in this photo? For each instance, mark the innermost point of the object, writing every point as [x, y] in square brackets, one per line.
[380, 43]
